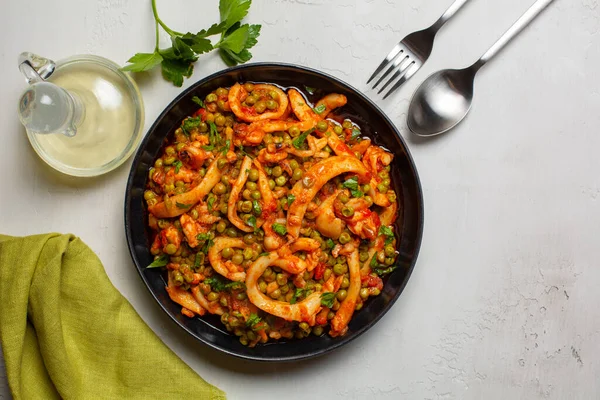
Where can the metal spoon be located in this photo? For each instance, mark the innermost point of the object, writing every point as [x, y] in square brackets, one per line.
[444, 99]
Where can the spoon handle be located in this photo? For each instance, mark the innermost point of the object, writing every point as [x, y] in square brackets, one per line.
[453, 9]
[534, 11]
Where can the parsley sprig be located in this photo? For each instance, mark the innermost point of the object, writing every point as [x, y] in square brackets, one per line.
[178, 60]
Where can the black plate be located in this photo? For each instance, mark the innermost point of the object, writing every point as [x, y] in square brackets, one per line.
[374, 124]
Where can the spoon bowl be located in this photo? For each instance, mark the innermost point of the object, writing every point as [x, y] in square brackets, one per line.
[441, 102]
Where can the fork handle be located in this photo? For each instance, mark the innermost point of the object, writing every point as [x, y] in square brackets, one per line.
[534, 11]
[453, 9]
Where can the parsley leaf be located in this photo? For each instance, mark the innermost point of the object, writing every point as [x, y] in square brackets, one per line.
[266, 253]
[183, 206]
[175, 70]
[236, 41]
[159, 262]
[143, 62]
[197, 100]
[299, 141]
[216, 284]
[352, 184]
[213, 135]
[178, 164]
[355, 134]
[253, 319]
[209, 147]
[251, 221]
[232, 11]
[320, 109]
[330, 243]
[388, 233]
[242, 150]
[280, 229]
[203, 236]
[198, 260]
[297, 294]
[327, 299]
[225, 148]
[290, 199]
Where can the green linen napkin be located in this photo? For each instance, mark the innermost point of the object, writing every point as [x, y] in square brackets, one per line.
[66, 332]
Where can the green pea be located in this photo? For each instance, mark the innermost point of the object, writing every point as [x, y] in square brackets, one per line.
[170, 151]
[363, 256]
[392, 197]
[389, 250]
[170, 249]
[277, 139]
[274, 95]
[223, 208]
[344, 238]
[221, 163]
[256, 194]
[317, 330]
[345, 283]
[227, 253]
[369, 201]
[221, 226]
[249, 239]
[382, 188]
[272, 104]
[340, 269]
[241, 296]
[203, 127]
[275, 293]
[294, 131]
[294, 164]
[358, 306]
[223, 301]
[271, 184]
[341, 295]
[297, 174]
[237, 259]
[336, 305]
[322, 126]
[178, 278]
[376, 292]
[366, 188]
[251, 185]
[327, 274]
[194, 213]
[211, 98]
[149, 194]
[158, 163]
[246, 194]
[262, 286]
[281, 279]
[231, 232]
[304, 326]
[212, 296]
[220, 120]
[347, 124]
[269, 170]
[389, 261]
[253, 175]
[343, 197]
[251, 100]
[338, 130]
[249, 87]
[280, 181]
[247, 254]
[169, 160]
[348, 211]
[277, 171]
[246, 206]
[260, 107]
[202, 171]
[179, 183]
[364, 293]
[219, 188]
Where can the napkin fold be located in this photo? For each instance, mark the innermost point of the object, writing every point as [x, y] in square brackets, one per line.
[66, 332]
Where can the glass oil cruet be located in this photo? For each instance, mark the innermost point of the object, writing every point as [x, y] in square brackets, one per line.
[83, 116]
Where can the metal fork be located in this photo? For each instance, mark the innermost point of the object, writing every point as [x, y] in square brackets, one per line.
[411, 53]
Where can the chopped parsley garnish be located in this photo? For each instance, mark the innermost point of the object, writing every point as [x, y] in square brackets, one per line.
[225, 148]
[352, 184]
[159, 262]
[290, 199]
[178, 164]
[388, 233]
[319, 109]
[256, 208]
[218, 284]
[213, 136]
[310, 90]
[251, 221]
[279, 229]
[198, 260]
[211, 201]
[355, 134]
[253, 319]
[190, 124]
[264, 254]
[182, 206]
[197, 100]
[330, 243]
[209, 147]
[299, 141]
[327, 299]
[380, 269]
[297, 294]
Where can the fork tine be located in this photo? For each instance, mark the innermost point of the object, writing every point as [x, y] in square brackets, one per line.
[406, 62]
[399, 60]
[409, 73]
[395, 51]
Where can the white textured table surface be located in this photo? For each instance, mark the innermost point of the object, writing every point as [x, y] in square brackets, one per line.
[503, 303]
